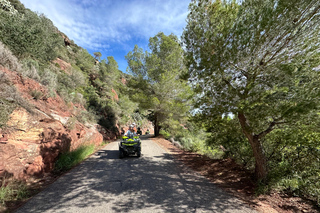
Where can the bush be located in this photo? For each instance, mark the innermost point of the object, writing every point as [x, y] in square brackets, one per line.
[29, 35]
[6, 5]
[30, 69]
[9, 99]
[165, 134]
[294, 155]
[49, 79]
[86, 117]
[227, 133]
[71, 123]
[7, 59]
[13, 191]
[36, 94]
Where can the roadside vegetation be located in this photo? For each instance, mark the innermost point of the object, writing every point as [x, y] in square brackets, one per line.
[68, 160]
[256, 76]
[241, 83]
[12, 191]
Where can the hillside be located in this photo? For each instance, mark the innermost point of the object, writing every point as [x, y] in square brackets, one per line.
[55, 96]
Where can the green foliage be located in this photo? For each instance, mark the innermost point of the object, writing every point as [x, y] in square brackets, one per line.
[294, 154]
[97, 55]
[6, 6]
[67, 160]
[86, 117]
[255, 60]
[71, 123]
[24, 35]
[13, 191]
[165, 134]
[18, 6]
[49, 78]
[36, 94]
[227, 133]
[6, 108]
[157, 85]
[30, 69]
[84, 61]
[127, 110]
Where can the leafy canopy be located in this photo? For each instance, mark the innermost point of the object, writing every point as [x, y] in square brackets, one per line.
[157, 81]
[258, 58]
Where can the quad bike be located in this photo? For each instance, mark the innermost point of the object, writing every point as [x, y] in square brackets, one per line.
[139, 132]
[129, 146]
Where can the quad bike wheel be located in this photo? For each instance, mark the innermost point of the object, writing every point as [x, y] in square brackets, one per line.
[121, 153]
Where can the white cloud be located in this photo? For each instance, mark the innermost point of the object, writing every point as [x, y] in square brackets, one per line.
[95, 21]
[102, 25]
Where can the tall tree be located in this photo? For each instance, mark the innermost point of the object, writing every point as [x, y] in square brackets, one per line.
[257, 60]
[157, 81]
[97, 55]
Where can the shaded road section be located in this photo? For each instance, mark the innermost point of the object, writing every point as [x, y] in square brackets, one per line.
[152, 183]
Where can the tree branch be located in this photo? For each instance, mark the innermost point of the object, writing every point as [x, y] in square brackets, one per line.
[269, 129]
[245, 126]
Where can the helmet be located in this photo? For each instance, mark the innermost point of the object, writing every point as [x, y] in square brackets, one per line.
[131, 126]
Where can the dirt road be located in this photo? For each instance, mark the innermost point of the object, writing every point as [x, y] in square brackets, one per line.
[152, 183]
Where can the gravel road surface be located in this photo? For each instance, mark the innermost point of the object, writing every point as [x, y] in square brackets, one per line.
[152, 183]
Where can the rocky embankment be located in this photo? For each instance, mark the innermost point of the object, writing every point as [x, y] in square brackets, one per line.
[32, 139]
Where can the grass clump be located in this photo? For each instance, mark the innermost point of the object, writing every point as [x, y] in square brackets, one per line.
[13, 192]
[67, 160]
[37, 95]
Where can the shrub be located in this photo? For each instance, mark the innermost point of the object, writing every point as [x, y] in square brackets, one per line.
[49, 79]
[7, 59]
[86, 117]
[13, 191]
[78, 98]
[165, 134]
[78, 78]
[9, 99]
[6, 5]
[70, 125]
[36, 94]
[31, 30]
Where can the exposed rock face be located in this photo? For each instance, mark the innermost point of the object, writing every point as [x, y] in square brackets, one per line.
[67, 41]
[115, 96]
[123, 81]
[63, 65]
[34, 143]
[31, 143]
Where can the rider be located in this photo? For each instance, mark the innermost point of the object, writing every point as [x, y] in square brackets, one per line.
[130, 133]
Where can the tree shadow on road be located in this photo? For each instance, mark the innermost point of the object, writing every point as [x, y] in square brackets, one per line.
[150, 184]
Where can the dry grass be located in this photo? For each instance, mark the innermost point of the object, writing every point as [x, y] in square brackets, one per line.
[9, 99]
[8, 60]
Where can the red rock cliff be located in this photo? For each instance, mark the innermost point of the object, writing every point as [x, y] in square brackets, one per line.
[32, 141]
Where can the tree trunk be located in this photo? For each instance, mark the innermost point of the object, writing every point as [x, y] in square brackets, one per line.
[259, 156]
[260, 159]
[156, 126]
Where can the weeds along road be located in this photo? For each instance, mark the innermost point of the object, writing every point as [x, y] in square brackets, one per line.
[152, 183]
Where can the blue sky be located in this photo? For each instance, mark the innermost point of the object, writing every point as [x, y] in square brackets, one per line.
[113, 27]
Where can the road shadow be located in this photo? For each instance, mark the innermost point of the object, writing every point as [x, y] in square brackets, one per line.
[133, 184]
